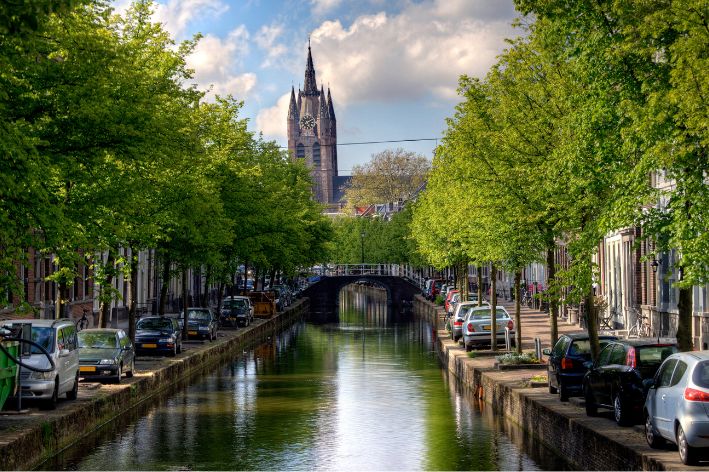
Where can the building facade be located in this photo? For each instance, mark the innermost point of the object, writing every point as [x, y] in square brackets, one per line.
[312, 135]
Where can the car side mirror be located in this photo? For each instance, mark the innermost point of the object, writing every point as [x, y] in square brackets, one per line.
[64, 352]
[546, 352]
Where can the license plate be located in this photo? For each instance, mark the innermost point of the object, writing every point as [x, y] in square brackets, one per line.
[87, 368]
[486, 327]
[192, 333]
[150, 345]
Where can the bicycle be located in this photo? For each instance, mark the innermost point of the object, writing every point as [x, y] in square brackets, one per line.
[641, 329]
[83, 322]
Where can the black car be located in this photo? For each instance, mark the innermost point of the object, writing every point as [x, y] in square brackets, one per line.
[158, 334]
[565, 366]
[201, 324]
[619, 379]
[236, 311]
[105, 354]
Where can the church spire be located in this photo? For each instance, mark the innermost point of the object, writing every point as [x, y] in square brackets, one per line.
[292, 110]
[310, 87]
[323, 105]
[330, 108]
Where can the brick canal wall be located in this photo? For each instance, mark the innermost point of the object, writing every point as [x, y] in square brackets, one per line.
[585, 443]
[33, 440]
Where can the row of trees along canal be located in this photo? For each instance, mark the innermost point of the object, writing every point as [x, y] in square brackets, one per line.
[558, 141]
[107, 145]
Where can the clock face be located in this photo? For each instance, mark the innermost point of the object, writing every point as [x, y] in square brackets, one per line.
[307, 122]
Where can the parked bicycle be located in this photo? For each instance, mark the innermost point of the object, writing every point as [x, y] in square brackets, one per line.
[83, 322]
[641, 328]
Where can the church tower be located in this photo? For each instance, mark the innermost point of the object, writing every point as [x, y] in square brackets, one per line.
[312, 133]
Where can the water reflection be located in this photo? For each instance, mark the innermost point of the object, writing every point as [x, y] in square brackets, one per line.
[361, 394]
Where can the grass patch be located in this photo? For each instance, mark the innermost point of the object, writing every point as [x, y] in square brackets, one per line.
[538, 378]
[472, 354]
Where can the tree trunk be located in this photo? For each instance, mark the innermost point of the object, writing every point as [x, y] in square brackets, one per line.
[165, 284]
[480, 285]
[518, 312]
[106, 300]
[684, 320]
[184, 304]
[246, 275]
[133, 293]
[591, 323]
[205, 297]
[551, 273]
[493, 306]
[273, 276]
[220, 295]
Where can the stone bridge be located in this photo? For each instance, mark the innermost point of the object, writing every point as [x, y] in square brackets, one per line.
[324, 294]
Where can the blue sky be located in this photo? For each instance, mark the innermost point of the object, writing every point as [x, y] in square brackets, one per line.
[392, 66]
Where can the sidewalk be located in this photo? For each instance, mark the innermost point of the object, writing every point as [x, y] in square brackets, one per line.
[588, 443]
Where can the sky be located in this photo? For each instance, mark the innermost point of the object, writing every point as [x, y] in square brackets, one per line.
[392, 65]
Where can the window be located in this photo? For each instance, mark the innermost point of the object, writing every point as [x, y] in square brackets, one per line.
[605, 355]
[560, 346]
[679, 373]
[701, 374]
[300, 151]
[664, 375]
[618, 355]
[316, 154]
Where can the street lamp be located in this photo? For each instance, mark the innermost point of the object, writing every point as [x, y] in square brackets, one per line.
[655, 264]
[362, 235]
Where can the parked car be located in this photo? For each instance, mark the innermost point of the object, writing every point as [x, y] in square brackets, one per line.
[202, 323]
[456, 321]
[615, 381]
[449, 298]
[105, 353]
[237, 311]
[158, 334]
[454, 300]
[434, 289]
[477, 327]
[284, 294]
[58, 338]
[565, 366]
[677, 405]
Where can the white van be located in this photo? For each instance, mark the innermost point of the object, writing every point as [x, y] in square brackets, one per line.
[59, 338]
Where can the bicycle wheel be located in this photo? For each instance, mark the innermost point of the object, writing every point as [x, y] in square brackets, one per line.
[634, 331]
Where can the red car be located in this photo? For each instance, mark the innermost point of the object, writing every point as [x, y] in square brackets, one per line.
[449, 297]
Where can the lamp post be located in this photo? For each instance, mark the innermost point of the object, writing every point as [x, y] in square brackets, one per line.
[362, 235]
[655, 264]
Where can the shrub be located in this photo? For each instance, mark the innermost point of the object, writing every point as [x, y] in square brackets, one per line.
[439, 300]
[514, 358]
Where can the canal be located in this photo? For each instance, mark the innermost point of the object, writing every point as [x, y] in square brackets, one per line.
[360, 391]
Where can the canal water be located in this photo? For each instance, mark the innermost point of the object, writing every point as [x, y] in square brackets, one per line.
[359, 391]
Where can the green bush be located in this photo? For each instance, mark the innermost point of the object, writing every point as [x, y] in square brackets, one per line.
[439, 300]
[514, 358]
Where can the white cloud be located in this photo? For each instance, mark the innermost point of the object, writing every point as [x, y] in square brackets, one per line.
[177, 14]
[322, 7]
[267, 39]
[217, 61]
[421, 50]
[272, 121]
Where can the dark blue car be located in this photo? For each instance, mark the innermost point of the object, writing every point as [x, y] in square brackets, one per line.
[565, 366]
[158, 334]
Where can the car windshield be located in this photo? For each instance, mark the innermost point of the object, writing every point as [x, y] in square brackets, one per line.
[485, 314]
[654, 355]
[44, 336]
[701, 374]
[154, 323]
[198, 315]
[239, 303]
[97, 340]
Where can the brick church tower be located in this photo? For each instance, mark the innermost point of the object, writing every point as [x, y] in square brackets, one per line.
[312, 134]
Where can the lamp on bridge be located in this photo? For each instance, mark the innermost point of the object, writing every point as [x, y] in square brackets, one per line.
[362, 235]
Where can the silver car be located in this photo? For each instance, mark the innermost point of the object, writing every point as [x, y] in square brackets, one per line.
[456, 322]
[477, 326]
[58, 338]
[677, 405]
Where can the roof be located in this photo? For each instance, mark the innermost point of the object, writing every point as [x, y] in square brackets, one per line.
[639, 342]
[38, 322]
[100, 330]
[584, 336]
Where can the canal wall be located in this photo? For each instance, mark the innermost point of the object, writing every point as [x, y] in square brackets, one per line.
[562, 427]
[33, 439]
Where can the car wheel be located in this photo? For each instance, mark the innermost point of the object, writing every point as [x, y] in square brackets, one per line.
[130, 373]
[552, 389]
[687, 453]
[620, 411]
[563, 392]
[51, 404]
[653, 439]
[468, 347]
[74, 392]
[179, 347]
[119, 374]
[173, 353]
[591, 407]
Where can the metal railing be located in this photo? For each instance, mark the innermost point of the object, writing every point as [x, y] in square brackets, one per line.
[394, 270]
